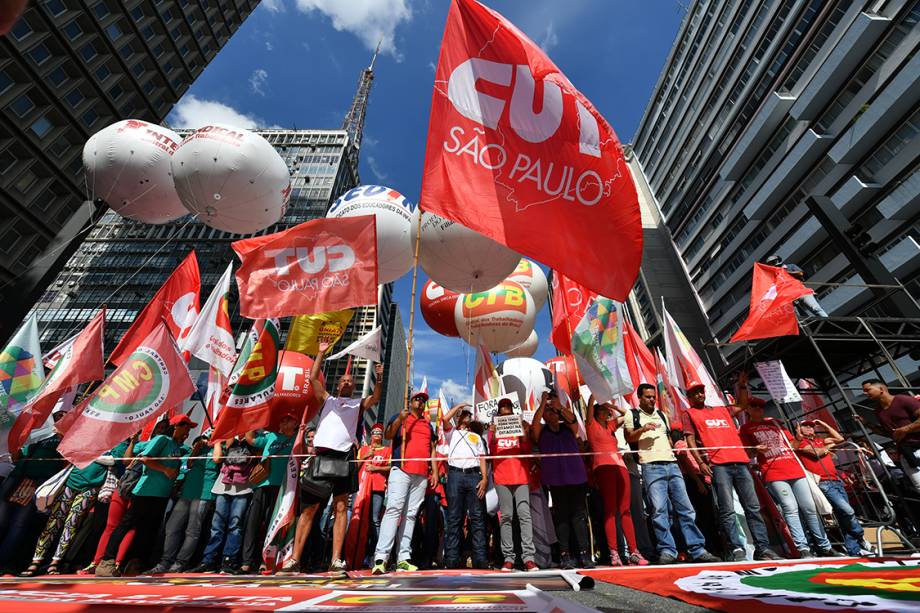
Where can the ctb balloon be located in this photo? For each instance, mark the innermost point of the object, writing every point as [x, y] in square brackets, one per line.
[501, 318]
[532, 277]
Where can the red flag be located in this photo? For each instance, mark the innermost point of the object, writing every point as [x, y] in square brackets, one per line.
[639, 360]
[771, 312]
[545, 183]
[252, 383]
[81, 360]
[152, 379]
[176, 303]
[318, 266]
[570, 301]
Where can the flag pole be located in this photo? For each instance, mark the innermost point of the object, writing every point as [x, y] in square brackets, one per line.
[418, 240]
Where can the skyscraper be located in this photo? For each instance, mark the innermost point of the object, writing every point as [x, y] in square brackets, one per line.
[762, 104]
[67, 69]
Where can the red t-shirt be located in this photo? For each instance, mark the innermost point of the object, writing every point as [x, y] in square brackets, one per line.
[381, 457]
[420, 437]
[714, 427]
[510, 471]
[778, 463]
[825, 467]
[602, 439]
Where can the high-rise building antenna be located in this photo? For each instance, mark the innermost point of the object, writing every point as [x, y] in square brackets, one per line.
[354, 119]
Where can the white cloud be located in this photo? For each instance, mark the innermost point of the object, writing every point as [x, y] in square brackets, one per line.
[268, 45]
[456, 392]
[193, 112]
[432, 66]
[275, 6]
[372, 21]
[375, 168]
[258, 80]
[549, 39]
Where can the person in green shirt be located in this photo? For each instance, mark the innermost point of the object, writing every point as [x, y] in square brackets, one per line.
[275, 446]
[150, 495]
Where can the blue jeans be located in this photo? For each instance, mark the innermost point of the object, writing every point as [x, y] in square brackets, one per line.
[794, 500]
[666, 490]
[736, 476]
[14, 521]
[229, 517]
[405, 493]
[377, 499]
[846, 517]
[462, 501]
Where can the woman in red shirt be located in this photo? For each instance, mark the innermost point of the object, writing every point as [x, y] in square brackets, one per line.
[375, 460]
[612, 480]
[511, 477]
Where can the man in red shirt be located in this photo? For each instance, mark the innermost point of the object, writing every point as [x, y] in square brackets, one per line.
[899, 416]
[725, 460]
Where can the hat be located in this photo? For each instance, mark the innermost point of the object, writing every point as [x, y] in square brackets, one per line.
[693, 385]
[773, 260]
[754, 401]
[289, 415]
[179, 420]
[808, 422]
[422, 395]
[505, 402]
[377, 427]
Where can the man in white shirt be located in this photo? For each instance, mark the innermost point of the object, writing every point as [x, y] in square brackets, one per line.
[467, 480]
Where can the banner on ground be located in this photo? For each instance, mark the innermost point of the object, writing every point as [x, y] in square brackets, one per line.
[210, 338]
[597, 345]
[780, 386]
[152, 379]
[570, 301]
[319, 266]
[514, 149]
[771, 312]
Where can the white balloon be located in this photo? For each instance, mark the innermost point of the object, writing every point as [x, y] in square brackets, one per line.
[233, 179]
[525, 349]
[526, 376]
[396, 218]
[128, 165]
[501, 318]
[532, 277]
[461, 259]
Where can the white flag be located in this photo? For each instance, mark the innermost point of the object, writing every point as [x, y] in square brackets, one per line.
[211, 337]
[367, 347]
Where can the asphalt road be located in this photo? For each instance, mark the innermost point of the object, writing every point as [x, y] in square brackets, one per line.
[611, 598]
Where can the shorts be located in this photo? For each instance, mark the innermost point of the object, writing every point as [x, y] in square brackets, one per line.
[341, 485]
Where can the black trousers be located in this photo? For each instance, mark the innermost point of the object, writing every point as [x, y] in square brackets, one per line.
[257, 520]
[570, 516]
[144, 514]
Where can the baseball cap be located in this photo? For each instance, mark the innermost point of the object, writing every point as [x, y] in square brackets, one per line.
[422, 395]
[754, 401]
[377, 428]
[808, 422]
[178, 420]
[694, 385]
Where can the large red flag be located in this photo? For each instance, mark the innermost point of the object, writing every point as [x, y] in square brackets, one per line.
[80, 360]
[152, 379]
[771, 312]
[639, 360]
[515, 152]
[176, 303]
[318, 266]
[570, 301]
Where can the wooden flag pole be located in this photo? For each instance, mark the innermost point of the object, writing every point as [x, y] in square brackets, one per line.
[418, 240]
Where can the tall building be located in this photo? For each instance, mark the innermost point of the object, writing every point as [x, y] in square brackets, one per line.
[67, 69]
[760, 105]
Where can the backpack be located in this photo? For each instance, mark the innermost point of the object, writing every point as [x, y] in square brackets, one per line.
[637, 425]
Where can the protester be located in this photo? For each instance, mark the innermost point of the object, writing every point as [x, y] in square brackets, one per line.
[807, 304]
[612, 480]
[414, 439]
[726, 461]
[816, 454]
[467, 480]
[160, 460]
[899, 417]
[512, 484]
[650, 430]
[375, 461]
[565, 476]
[784, 476]
[334, 471]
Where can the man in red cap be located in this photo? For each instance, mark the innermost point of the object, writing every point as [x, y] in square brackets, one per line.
[726, 461]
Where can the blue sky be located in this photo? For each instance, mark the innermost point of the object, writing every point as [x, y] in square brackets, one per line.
[296, 63]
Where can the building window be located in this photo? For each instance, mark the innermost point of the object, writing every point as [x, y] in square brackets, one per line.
[101, 10]
[55, 6]
[74, 98]
[114, 32]
[22, 105]
[88, 52]
[90, 117]
[39, 54]
[103, 73]
[148, 32]
[73, 30]
[137, 13]
[41, 126]
[57, 76]
[21, 30]
[138, 69]
[127, 51]
[7, 161]
[6, 81]
[158, 51]
[59, 147]
[116, 92]
[25, 181]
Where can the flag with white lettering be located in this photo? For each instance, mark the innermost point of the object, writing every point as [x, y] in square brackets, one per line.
[211, 337]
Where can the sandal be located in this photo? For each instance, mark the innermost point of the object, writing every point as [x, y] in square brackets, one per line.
[31, 571]
[52, 569]
[290, 568]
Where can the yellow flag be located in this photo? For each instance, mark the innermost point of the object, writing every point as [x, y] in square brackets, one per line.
[307, 330]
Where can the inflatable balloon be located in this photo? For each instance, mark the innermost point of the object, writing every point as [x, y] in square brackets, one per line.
[525, 349]
[437, 305]
[396, 221]
[526, 376]
[292, 389]
[566, 374]
[532, 277]
[501, 318]
[460, 259]
[128, 165]
[231, 178]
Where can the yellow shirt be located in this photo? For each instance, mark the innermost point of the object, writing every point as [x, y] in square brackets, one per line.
[653, 445]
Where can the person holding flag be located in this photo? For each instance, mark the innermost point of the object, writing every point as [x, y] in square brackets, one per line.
[333, 470]
[375, 461]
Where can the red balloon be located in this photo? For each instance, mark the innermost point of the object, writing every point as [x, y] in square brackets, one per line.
[10, 10]
[293, 393]
[566, 373]
[438, 305]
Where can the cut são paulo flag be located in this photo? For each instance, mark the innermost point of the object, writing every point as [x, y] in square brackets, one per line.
[317, 266]
[771, 312]
[546, 183]
[210, 338]
[570, 301]
[151, 379]
[176, 303]
[80, 361]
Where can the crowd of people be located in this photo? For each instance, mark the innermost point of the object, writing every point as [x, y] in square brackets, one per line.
[615, 486]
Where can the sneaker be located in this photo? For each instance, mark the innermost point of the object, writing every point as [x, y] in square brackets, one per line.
[380, 568]
[706, 558]
[406, 566]
[228, 568]
[531, 567]
[291, 567]
[338, 566]
[89, 570]
[586, 561]
[635, 559]
[106, 568]
[159, 569]
[507, 567]
[206, 567]
[667, 558]
[566, 562]
[738, 555]
[830, 552]
[806, 553]
[177, 567]
[615, 559]
[767, 554]
[132, 568]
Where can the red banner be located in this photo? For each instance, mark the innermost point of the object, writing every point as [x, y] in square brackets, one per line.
[550, 183]
[318, 266]
[570, 301]
[176, 303]
[771, 312]
[79, 361]
[152, 379]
